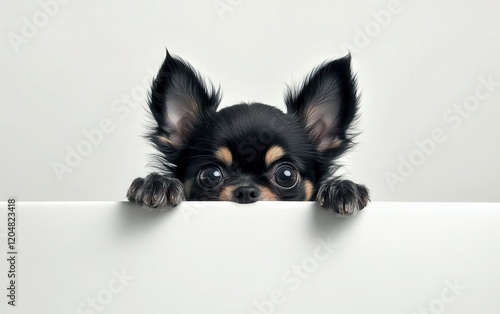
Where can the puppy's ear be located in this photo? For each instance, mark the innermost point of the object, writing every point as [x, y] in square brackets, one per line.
[179, 98]
[327, 103]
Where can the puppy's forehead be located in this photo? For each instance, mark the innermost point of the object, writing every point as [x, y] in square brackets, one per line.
[252, 155]
[250, 138]
[255, 149]
[252, 135]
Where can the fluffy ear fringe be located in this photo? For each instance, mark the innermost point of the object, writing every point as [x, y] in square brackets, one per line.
[327, 102]
[178, 100]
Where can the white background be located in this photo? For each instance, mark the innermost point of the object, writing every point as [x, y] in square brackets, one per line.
[413, 67]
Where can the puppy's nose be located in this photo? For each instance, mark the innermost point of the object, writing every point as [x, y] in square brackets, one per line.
[246, 194]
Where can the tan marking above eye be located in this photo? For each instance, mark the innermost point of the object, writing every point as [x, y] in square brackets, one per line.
[308, 190]
[227, 193]
[267, 195]
[224, 155]
[274, 153]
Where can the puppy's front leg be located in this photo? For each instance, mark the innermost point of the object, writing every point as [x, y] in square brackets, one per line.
[343, 197]
[156, 191]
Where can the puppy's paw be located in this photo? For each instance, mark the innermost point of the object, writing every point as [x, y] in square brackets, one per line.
[156, 191]
[343, 197]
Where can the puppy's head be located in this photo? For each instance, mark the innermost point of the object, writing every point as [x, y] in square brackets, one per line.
[251, 152]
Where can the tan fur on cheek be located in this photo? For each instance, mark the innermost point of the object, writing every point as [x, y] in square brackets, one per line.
[274, 153]
[267, 195]
[308, 190]
[224, 155]
[226, 193]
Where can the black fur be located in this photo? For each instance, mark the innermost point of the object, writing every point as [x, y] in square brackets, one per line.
[189, 131]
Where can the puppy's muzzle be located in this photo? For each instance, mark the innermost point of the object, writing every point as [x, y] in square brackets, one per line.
[246, 194]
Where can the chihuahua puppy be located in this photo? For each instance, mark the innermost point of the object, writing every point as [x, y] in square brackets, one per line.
[251, 152]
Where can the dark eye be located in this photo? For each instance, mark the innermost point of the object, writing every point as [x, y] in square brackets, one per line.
[286, 176]
[210, 177]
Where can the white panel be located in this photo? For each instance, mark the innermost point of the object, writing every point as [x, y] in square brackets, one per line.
[221, 257]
